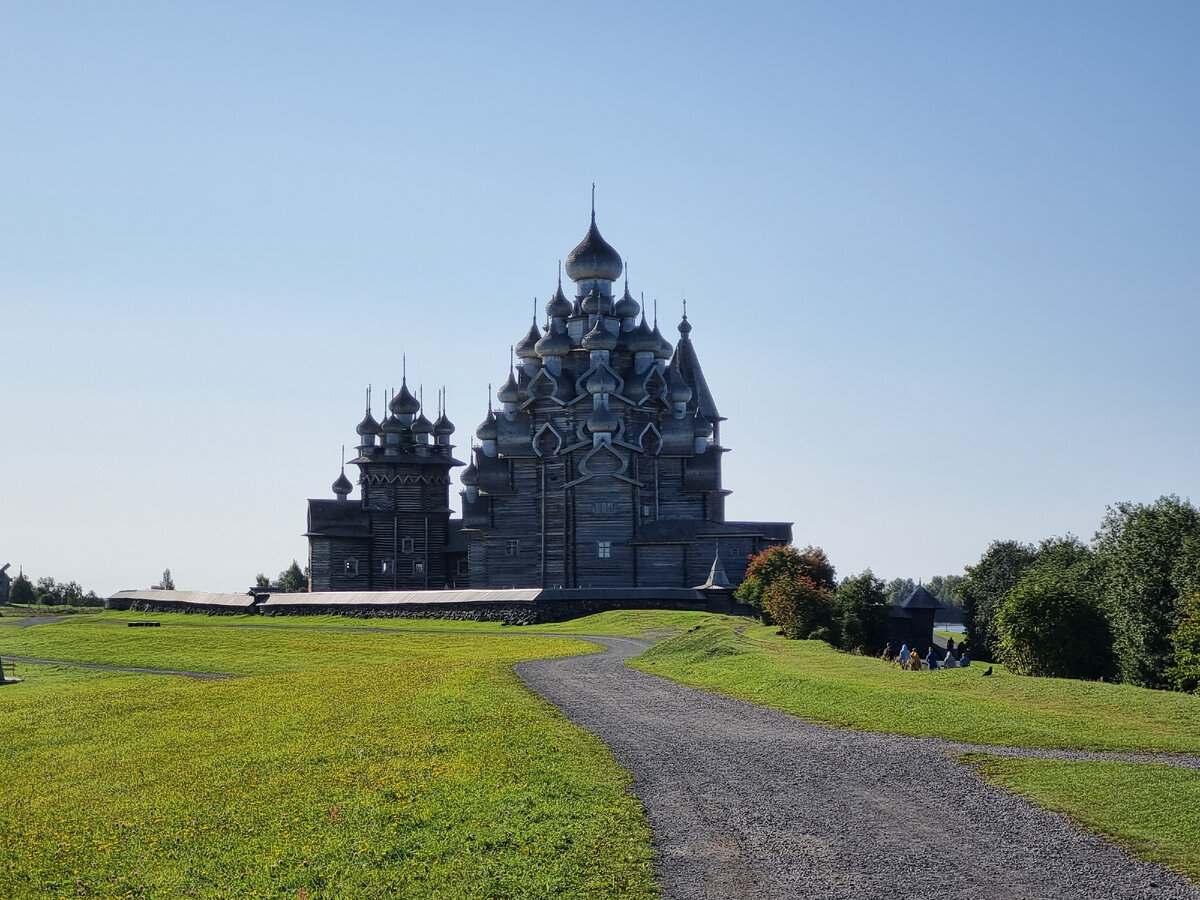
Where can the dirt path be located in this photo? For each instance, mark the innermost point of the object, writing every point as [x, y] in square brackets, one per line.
[750, 803]
[28, 660]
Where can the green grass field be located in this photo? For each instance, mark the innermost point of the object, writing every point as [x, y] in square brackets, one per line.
[357, 758]
[342, 765]
[815, 682]
[1154, 811]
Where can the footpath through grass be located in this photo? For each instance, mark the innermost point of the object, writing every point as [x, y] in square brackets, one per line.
[344, 765]
[811, 680]
[1153, 811]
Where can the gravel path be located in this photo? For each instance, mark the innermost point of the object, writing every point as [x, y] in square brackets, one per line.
[27, 621]
[748, 803]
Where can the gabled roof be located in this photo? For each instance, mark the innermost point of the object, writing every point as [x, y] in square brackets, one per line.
[921, 599]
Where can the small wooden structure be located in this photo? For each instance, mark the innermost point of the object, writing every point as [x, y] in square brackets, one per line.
[911, 622]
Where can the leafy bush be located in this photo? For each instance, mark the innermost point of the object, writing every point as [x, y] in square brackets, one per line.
[49, 592]
[792, 588]
[984, 589]
[1048, 625]
[1184, 671]
[860, 609]
[1148, 558]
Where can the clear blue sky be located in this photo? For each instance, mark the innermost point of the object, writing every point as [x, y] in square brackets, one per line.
[941, 258]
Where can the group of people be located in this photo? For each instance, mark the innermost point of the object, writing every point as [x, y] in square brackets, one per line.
[912, 660]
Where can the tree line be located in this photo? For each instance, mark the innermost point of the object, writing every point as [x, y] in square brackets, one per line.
[48, 592]
[1124, 607]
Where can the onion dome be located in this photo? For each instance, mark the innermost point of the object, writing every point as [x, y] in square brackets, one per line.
[525, 347]
[685, 327]
[392, 425]
[594, 303]
[665, 350]
[599, 338]
[703, 427]
[488, 430]
[404, 403]
[342, 486]
[602, 421]
[679, 390]
[554, 343]
[601, 382]
[443, 426]
[470, 475]
[510, 391]
[422, 425]
[559, 306]
[627, 307]
[594, 258]
[368, 425]
[642, 339]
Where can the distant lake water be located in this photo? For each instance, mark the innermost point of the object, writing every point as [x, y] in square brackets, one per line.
[955, 628]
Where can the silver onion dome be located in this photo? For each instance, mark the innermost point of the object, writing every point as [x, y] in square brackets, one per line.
[599, 338]
[594, 258]
[554, 343]
[525, 348]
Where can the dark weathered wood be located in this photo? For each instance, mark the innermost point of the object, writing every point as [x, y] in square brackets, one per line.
[604, 471]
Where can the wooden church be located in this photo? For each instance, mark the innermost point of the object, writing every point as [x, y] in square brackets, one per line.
[600, 468]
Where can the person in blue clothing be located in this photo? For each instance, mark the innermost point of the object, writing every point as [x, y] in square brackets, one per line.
[932, 659]
[964, 660]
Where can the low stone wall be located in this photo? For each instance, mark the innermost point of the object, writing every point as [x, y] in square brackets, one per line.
[512, 607]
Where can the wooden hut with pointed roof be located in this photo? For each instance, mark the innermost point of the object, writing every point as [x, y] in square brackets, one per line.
[911, 621]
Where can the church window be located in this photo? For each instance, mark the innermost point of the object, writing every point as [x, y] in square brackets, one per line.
[418, 567]
[735, 551]
[603, 549]
[604, 507]
[385, 566]
[406, 545]
[350, 567]
[514, 548]
[647, 511]
[463, 567]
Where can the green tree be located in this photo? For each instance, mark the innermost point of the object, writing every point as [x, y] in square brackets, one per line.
[1052, 623]
[1048, 625]
[860, 610]
[1141, 552]
[984, 589]
[167, 583]
[898, 589]
[21, 591]
[1184, 672]
[293, 579]
[793, 588]
[47, 591]
[765, 567]
[1185, 574]
[945, 588]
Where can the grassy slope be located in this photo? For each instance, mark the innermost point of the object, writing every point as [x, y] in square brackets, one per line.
[1154, 811]
[810, 680]
[348, 765]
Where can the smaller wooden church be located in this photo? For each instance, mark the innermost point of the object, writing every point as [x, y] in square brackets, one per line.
[600, 470]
